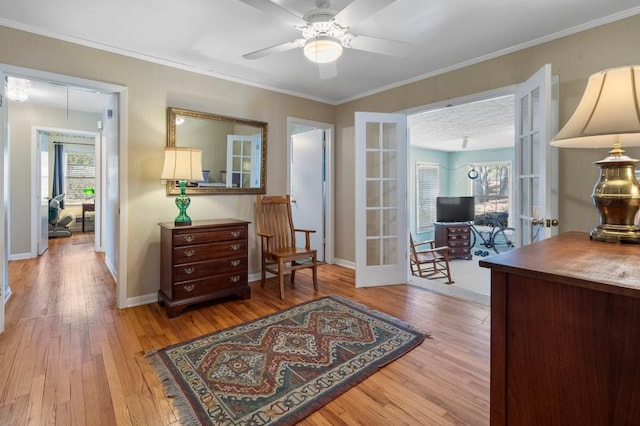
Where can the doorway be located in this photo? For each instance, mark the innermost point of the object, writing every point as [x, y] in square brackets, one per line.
[453, 145]
[310, 181]
[113, 153]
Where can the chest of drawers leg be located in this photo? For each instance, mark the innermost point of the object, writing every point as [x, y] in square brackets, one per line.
[202, 262]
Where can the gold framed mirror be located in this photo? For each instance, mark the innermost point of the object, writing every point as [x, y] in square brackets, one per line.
[234, 151]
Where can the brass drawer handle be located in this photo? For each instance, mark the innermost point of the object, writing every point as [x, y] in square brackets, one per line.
[189, 238]
[235, 247]
[189, 287]
[235, 262]
[189, 270]
[189, 253]
[235, 279]
[235, 234]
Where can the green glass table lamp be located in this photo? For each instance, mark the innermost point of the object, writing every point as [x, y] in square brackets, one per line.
[182, 164]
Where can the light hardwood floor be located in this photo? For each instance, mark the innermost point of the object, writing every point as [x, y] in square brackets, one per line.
[69, 357]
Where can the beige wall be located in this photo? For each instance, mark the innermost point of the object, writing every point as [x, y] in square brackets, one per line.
[151, 88]
[573, 59]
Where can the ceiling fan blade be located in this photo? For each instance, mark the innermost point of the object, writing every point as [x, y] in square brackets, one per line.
[359, 10]
[276, 11]
[378, 45]
[326, 71]
[275, 49]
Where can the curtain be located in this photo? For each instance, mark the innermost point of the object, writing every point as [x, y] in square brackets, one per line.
[58, 171]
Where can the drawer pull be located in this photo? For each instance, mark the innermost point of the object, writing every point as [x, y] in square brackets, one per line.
[189, 270]
[235, 262]
[189, 287]
[235, 234]
[189, 253]
[235, 247]
[189, 238]
[235, 278]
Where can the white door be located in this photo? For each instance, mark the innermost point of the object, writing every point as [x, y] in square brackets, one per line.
[4, 163]
[307, 185]
[42, 180]
[536, 169]
[381, 199]
[240, 152]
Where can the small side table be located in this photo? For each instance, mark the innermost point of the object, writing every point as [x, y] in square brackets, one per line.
[87, 207]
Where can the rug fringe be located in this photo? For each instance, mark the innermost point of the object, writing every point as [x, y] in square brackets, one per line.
[185, 413]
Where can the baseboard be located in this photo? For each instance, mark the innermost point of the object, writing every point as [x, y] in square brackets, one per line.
[142, 300]
[345, 263]
[20, 256]
[111, 269]
[8, 295]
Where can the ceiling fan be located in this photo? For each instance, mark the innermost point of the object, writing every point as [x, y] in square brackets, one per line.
[325, 32]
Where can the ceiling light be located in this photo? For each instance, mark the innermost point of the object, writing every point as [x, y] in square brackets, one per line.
[323, 49]
[17, 89]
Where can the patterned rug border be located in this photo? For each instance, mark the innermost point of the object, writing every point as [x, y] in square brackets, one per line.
[174, 386]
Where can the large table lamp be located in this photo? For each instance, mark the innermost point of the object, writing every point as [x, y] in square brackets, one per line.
[182, 165]
[608, 115]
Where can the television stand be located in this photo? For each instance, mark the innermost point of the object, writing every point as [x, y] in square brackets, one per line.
[455, 235]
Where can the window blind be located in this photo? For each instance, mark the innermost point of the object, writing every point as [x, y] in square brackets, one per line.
[427, 184]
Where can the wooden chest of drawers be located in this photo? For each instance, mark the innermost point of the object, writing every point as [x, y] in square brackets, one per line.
[202, 262]
[457, 236]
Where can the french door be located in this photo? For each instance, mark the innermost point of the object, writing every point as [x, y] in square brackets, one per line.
[536, 168]
[381, 199]
[381, 181]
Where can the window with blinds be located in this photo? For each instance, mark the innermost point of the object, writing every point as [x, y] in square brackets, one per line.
[80, 174]
[427, 184]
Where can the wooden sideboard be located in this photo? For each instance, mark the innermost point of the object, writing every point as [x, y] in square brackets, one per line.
[565, 333]
[457, 236]
[202, 262]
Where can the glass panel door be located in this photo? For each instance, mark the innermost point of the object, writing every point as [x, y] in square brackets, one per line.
[381, 204]
[536, 161]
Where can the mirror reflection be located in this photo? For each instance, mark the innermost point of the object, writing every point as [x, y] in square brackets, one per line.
[233, 151]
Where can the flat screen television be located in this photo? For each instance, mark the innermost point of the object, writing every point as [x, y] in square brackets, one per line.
[455, 209]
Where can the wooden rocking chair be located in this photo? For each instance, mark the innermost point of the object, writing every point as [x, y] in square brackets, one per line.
[280, 255]
[431, 262]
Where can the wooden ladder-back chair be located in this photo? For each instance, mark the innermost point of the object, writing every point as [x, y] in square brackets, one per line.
[280, 256]
[431, 262]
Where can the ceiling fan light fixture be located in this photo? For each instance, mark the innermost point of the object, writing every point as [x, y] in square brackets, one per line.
[323, 49]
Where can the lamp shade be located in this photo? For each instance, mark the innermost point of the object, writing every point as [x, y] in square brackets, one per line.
[182, 164]
[608, 113]
[322, 49]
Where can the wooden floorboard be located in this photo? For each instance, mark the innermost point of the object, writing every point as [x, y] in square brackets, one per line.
[69, 357]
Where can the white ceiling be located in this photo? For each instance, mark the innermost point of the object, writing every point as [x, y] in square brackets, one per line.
[210, 37]
[485, 124]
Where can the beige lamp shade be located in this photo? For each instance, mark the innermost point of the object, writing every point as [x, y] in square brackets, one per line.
[182, 164]
[608, 113]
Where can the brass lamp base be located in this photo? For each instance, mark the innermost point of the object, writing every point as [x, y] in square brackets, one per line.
[617, 197]
[616, 234]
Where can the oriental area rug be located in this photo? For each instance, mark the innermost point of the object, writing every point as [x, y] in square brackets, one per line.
[278, 369]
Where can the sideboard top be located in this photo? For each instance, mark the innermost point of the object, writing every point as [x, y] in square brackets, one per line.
[573, 258]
